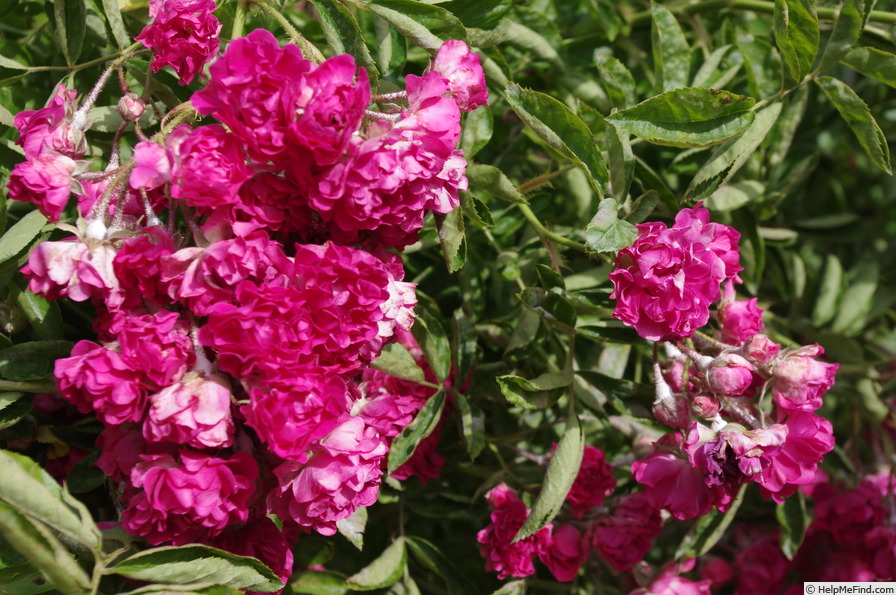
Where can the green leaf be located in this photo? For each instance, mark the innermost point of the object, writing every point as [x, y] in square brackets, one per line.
[476, 210]
[525, 334]
[343, 33]
[476, 131]
[829, 290]
[622, 162]
[473, 426]
[874, 63]
[559, 477]
[13, 407]
[614, 389]
[796, 34]
[20, 236]
[552, 307]
[733, 196]
[396, 360]
[851, 20]
[112, 14]
[198, 588]
[709, 70]
[606, 232]
[617, 80]
[85, 475]
[43, 315]
[423, 424]
[71, 25]
[352, 528]
[643, 207]
[709, 530]
[752, 249]
[687, 117]
[382, 572]
[319, 582]
[12, 64]
[22, 579]
[671, 53]
[482, 14]
[391, 48]
[463, 345]
[859, 119]
[762, 64]
[858, 298]
[512, 588]
[198, 563]
[30, 361]
[429, 556]
[731, 155]
[539, 393]
[433, 340]
[561, 129]
[424, 25]
[532, 41]
[27, 487]
[453, 240]
[781, 137]
[793, 520]
[492, 180]
[43, 550]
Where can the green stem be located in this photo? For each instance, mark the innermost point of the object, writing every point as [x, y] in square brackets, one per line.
[28, 387]
[643, 18]
[546, 233]
[308, 50]
[543, 179]
[119, 57]
[239, 20]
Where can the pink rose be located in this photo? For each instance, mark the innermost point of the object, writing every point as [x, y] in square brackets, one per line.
[567, 550]
[809, 438]
[208, 167]
[194, 411]
[594, 482]
[800, 380]
[183, 35]
[730, 375]
[739, 320]
[625, 537]
[44, 181]
[49, 129]
[152, 169]
[74, 269]
[508, 515]
[462, 68]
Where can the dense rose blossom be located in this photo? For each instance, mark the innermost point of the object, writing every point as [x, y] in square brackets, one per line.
[76, 269]
[194, 411]
[390, 403]
[159, 345]
[881, 542]
[259, 538]
[120, 449]
[152, 166]
[665, 282]
[668, 582]
[625, 537]
[567, 551]
[266, 201]
[183, 35]
[289, 420]
[593, 484]
[760, 564]
[95, 378]
[508, 515]
[739, 319]
[673, 483]
[202, 278]
[342, 475]
[138, 265]
[248, 86]
[49, 129]
[800, 380]
[208, 167]
[44, 181]
[190, 499]
[326, 106]
[716, 570]
[462, 68]
[809, 438]
[851, 515]
[734, 455]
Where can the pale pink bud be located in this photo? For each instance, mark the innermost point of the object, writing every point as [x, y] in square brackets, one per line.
[131, 107]
[730, 374]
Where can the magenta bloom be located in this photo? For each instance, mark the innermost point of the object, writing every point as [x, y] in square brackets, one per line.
[194, 411]
[209, 167]
[152, 169]
[625, 537]
[191, 499]
[183, 35]
[800, 380]
[508, 515]
[158, 345]
[809, 438]
[138, 265]
[462, 68]
[74, 269]
[95, 378]
[739, 319]
[566, 552]
[730, 374]
[665, 282]
[247, 88]
[120, 449]
[49, 129]
[44, 181]
[593, 484]
[343, 475]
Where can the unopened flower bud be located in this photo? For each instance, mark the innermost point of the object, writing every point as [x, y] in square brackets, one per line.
[673, 412]
[131, 107]
[730, 374]
[761, 349]
[705, 406]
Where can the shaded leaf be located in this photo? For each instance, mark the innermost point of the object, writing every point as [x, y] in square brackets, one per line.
[429, 556]
[539, 393]
[558, 479]
[198, 588]
[709, 72]
[829, 290]
[476, 131]
[851, 20]
[687, 117]
[71, 25]
[762, 63]
[198, 563]
[30, 361]
[606, 232]
[433, 340]
[20, 236]
[617, 81]
[476, 210]
[43, 315]
[423, 424]
[343, 33]
[453, 239]
[13, 407]
[352, 528]
[796, 34]
[793, 520]
[552, 307]
[319, 582]
[424, 25]
[561, 129]
[671, 53]
[396, 360]
[872, 62]
[621, 162]
[382, 572]
[473, 425]
[730, 156]
[859, 119]
[112, 14]
[492, 180]
[858, 298]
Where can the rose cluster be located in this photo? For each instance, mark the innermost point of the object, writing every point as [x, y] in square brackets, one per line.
[242, 282]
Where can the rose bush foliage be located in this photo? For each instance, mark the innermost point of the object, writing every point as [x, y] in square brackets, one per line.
[450, 298]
